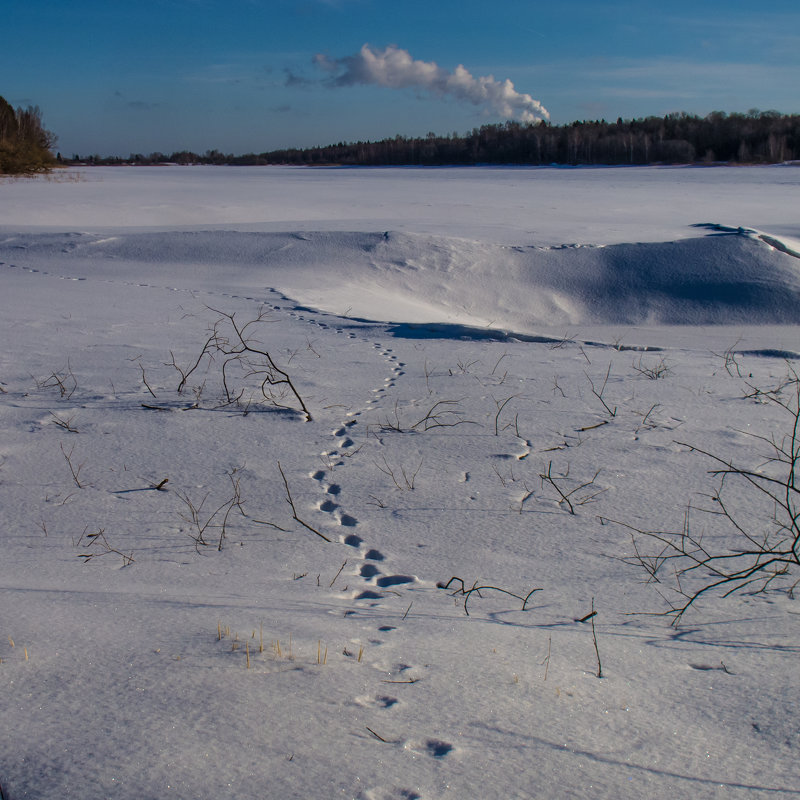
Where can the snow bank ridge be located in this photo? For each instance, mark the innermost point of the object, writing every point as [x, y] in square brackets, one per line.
[730, 276]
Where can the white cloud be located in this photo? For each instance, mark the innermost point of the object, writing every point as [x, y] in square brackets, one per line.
[394, 68]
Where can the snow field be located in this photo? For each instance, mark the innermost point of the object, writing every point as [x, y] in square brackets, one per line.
[423, 461]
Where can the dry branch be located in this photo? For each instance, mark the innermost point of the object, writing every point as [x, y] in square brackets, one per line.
[290, 501]
[202, 522]
[102, 547]
[475, 588]
[75, 471]
[598, 393]
[409, 478]
[243, 357]
[565, 493]
[442, 414]
[758, 553]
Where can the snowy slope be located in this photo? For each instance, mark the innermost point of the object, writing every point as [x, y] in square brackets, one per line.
[729, 278]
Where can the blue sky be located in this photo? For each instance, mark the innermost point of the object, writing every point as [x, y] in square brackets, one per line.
[118, 77]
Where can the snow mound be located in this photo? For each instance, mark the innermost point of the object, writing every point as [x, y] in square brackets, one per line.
[734, 277]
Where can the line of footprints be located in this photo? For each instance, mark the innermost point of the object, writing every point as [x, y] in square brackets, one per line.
[371, 572]
[371, 559]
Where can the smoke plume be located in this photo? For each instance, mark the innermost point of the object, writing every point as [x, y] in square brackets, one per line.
[394, 68]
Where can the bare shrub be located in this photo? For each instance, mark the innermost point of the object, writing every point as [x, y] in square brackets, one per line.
[750, 541]
[402, 478]
[63, 380]
[600, 392]
[652, 370]
[203, 522]
[442, 414]
[467, 593]
[96, 545]
[244, 361]
[571, 492]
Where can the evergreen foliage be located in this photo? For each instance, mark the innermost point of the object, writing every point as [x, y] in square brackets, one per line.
[24, 142]
[753, 138]
[757, 137]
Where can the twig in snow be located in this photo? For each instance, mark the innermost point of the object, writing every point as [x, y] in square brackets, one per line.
[475, 588]
[344, 563]
[290, 501]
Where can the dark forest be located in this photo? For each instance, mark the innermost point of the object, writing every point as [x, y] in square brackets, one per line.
[757, 137]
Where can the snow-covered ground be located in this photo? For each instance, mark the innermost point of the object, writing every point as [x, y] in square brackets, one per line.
[496, 363]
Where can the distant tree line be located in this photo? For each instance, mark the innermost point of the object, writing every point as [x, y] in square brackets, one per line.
[757, 137]
[24, 142]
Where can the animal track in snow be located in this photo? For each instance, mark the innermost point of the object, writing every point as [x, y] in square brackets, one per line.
[369, 571]
[437, 748]
[368, 594]
[390, 793]
[395, 580]
[368, 561]
[381, 701]
[384, 701]
[328, 457]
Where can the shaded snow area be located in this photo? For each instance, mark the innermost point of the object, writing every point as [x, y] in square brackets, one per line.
[255, 421]
[730, 277]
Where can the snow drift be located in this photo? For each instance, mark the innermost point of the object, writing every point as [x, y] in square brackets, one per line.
[721, 278]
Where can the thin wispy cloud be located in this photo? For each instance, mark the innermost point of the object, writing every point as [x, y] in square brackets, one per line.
[294, 81]
[692, 78]
[394, 68]
[634, 87]
[143, 105]
[136, 105]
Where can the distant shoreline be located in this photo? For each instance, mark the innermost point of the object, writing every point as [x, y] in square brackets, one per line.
[756, 138]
